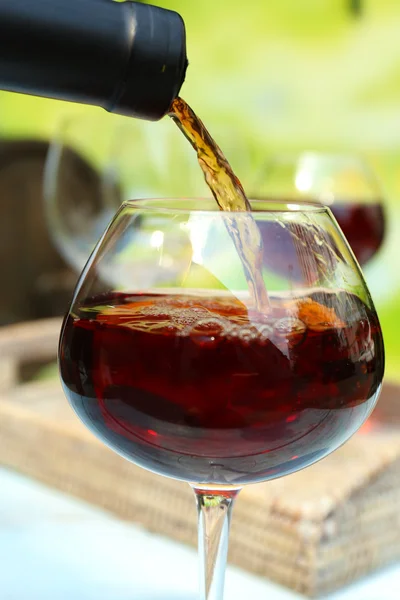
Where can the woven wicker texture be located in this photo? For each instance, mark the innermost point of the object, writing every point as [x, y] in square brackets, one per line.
[314, 531]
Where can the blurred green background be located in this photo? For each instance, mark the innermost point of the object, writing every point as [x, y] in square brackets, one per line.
[267, 77]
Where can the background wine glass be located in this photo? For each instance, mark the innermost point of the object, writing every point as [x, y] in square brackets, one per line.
[344, 182]
[97, 161]
[81, 187]
[181, 374]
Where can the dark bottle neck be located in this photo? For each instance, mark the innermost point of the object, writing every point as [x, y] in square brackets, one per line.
[128, 58]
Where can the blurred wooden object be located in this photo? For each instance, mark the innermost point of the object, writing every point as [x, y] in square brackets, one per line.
[36, 281]
[314, 531]
[32, 343]
[27, 255]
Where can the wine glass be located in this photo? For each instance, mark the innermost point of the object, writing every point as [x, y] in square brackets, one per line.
[344, 182]
[81, 187]
[95, 162]
[180, 372]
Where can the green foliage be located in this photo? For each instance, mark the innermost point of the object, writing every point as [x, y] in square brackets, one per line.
[271, 76]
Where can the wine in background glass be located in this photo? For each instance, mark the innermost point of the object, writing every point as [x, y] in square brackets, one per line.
[187, 377]
[343, 182]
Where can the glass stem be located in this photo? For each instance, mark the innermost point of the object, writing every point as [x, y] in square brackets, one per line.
[214, 510]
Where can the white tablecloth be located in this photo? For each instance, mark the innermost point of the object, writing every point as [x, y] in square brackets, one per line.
[53, 547]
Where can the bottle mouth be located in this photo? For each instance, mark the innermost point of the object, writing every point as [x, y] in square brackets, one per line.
[182, 67]
[157, 62]
[184, 70]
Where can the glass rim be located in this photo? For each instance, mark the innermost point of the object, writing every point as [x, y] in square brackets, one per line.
[341, 155]
[259, 206]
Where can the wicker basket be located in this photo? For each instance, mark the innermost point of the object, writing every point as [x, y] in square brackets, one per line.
[314, 531]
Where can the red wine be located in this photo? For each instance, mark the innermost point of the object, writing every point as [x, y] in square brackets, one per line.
[218, 174]
[229, 195]
[363, 225]
[206, 390]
